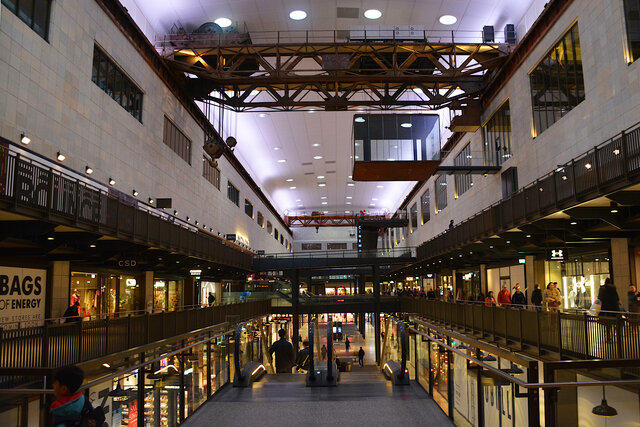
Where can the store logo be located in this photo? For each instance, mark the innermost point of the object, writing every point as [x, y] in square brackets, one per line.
[557, 254]
[127, 263]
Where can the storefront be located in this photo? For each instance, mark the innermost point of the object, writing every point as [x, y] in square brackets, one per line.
[207, 287]
[468, 284]
[104, 293]
[579, 279]
[168, 294]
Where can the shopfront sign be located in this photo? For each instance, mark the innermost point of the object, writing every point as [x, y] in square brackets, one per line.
[557, 254]
[127, 263]
[22, 296]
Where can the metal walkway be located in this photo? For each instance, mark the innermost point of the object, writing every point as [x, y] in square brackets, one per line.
[361, 398]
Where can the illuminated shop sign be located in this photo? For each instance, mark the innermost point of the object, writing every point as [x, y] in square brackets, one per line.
[557, 254]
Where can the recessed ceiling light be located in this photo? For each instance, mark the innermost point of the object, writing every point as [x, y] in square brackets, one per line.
[359, 120]
[448, 19]
[315, 145]
[326, 212]
[379, 186]
[317, 157]
[322, 184]
[348, 203]
[301, 206]
[372, 14]
[292, 188]
[349, 197]
[281, 161]
[311, 111]
[372, 204]
[374, 199]
[276, 148]
[350, 177]
[262, 115]
[60, 157]
[347, 211]
[289, 179]
[298, 200]
[405, 125]
[351, 184]
[324, 203]
[320, 176]
[297, 15]
[323, 197]
[223, 22]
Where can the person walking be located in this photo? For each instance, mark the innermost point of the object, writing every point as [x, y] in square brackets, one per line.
[518, 299]
[552, 297]
[451, 225]
[285, 357]
[634, 299]
[323, 352]
[536, 296]
[302, 360]
[490, 300]
[609, 305]
[71, 314]
[361, 357]
[347, 344]
[504, 296]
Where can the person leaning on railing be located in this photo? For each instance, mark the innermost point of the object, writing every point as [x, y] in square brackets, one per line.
[552, 297]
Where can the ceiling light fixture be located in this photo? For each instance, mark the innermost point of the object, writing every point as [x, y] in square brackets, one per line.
[92, 245]
[135, 193]
[112, 181]
[322, 184]
[359, 120]
[350, 184]
[324, 203]
[317, 157]
[323, 197]
[315, 145]
[448, 19]
[614, 207]
[282, 161]
[61, 157]
[379, 186]
[151, 200]
[349, 197]
[348, 203]
[297, 15]
[25, 139]
[372, 14]
[320, 177]
[262, 115]
[223, 22]
[292, 188]
[88, 170]
[406, 125]
[289, 179]
[276, 148]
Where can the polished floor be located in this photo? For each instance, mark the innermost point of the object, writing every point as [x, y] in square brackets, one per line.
[362, 397]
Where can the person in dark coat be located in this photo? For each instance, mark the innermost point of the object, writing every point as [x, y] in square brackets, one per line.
[361, 357]
[518, 298]
[211, 299]
[634, 299]
[536, 296]
[347, 344]
[431, 294]
[71, 314]
[302, 360]
[609, 300]
[285, 355]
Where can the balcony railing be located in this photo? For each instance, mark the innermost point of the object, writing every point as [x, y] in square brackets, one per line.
[610, 166]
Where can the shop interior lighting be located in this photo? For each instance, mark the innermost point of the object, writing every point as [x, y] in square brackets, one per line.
[372, 14]
[112, 181]
[448, 19]
[297, 15]
[88, 170]
[61, 157]
[25, 139]
[135, 193]
[223, 22]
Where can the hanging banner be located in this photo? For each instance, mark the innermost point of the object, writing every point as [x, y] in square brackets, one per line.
[22, 297]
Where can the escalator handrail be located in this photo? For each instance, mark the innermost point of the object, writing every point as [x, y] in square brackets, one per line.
[312, 327]
[330, 348]
[403, 346]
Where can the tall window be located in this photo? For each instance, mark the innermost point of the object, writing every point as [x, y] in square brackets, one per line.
[441, 193]
[632, 18]
[413, 213]
[497, 136]
[463, 182]
[210, 173]
[111, 79]
[233, 194]
[269, 227]
[425, 206]
[260, 219]
[248, 208]
[176, 140]
[557, 84]
[276, 234]
[34, 13]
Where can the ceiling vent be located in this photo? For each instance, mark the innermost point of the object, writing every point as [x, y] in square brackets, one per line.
[307, 164]
[328, 172]
[330, 162]
[309, 173]
[348, 12]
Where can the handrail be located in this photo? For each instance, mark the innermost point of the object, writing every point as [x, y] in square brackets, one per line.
[398, 252]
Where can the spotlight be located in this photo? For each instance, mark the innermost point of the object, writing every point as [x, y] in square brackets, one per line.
[112, 181]
[50, 238]
[614, 207]
[88, 170]
[151, 200]
[175, 212]
[135, 193]
[92, 245]
[60, 157]
[188, 219]
[25, 139]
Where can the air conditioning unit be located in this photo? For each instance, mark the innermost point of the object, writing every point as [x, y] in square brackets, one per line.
[510, 34]
[488, 35]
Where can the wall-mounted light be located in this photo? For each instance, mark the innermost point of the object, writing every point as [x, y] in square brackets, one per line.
[112, 181]
[135, 193]
[151, 200]
[175, 212]
[88, 170]
[61, 157]
[188, 219]
[25, 139]
[614, 207]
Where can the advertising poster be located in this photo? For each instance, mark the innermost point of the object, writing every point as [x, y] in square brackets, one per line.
[22, 297]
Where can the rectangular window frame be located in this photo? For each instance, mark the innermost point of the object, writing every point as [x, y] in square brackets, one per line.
[248, 208]
[441, 193]
[210, 173]
[174, 138]
[462, 182]
[233, 194]
[260, 219]
[425, 206]
[413, 217]
[632, 30]
[30, 17]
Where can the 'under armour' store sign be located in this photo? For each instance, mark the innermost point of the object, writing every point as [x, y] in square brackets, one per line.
[557, 255]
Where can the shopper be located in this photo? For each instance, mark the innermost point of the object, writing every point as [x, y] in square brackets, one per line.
[634, 299]
[536, 296]
[211, 299]
[323, 352]
[490, 300]
[71, 314]
[285, 357]
[552, 297]
[361, 357]
[609, 300]
[451, 225]
[504, 296]
[302, 360]
[518, 299]
[347, 344]
[431, 295]
[71, 408]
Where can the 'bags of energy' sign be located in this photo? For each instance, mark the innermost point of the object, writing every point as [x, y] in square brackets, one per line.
[22, 296]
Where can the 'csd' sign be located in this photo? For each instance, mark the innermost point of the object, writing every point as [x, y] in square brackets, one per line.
[127, 263]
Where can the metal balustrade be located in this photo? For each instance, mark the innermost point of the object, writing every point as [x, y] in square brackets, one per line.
[580, 336]
[54, 345]
[612, 165]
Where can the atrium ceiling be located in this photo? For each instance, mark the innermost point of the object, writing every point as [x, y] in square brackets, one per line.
[301, 138]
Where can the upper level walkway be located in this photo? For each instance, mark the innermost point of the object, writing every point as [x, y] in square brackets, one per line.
[333, 259]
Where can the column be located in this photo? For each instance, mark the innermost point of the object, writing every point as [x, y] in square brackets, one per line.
[361, 316]
[484, 285]
[529, 276]
[295, 294]
[59, 290]
[621, 268]
[376, 313]
[454, 285]
[148, 291]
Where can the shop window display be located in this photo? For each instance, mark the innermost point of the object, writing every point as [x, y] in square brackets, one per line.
[581, 281]
[96, 293]
[167, 294]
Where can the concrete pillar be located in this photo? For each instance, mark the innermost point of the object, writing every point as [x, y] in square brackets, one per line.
[620, 268]
[148, 291]
[454, 285]
[529, 276]
[484, 286]
[59, 290]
